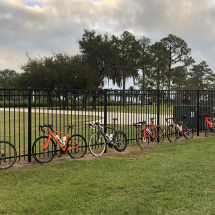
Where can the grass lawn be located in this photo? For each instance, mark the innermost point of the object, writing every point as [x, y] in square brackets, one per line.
[173, 178]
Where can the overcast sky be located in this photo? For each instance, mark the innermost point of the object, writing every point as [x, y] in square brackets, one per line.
[40, 27]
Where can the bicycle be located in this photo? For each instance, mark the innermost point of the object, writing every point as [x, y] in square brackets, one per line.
[99, 140]
[7, 155]
[44, 147]
[149, 133]
[209, 127]
[178, 129]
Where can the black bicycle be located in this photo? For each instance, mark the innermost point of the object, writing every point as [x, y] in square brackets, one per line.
[98, 141]
[7, 155]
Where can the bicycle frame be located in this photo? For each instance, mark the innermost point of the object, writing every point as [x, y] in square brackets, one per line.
[103, 134]
[152, 136]
[208, 123]
[175, 122]
[51, 135]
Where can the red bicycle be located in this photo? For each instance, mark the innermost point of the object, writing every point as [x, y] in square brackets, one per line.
[209, 127]
[178, 129]
[149, 133]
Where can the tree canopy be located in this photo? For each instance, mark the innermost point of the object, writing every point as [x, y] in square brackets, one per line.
[166, 64]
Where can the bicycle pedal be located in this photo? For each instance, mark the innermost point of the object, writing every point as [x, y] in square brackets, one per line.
[110, 145]
[60, 155]
[114, 144]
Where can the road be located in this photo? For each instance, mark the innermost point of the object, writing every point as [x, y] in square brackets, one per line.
[123, 118]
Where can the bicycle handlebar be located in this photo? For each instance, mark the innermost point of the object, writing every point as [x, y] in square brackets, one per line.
[45, 126]
[167, 119]
[206, 115]
[136, 124]
[95, 124]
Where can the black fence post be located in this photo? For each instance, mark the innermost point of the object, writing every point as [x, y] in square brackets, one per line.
[158, 106]
[105, 114]
[198, 114]
[29, 123]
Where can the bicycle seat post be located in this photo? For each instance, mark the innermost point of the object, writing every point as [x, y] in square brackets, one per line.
[114, 122]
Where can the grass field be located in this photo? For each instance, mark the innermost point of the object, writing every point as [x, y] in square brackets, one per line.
[173, 178]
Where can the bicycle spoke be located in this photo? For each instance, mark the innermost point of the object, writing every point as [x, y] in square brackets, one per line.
[97, 144]
[7, 155]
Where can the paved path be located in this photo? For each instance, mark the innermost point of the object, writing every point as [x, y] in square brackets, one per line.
[123, 118]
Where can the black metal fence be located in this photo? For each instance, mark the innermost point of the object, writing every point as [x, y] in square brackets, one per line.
[22, 110]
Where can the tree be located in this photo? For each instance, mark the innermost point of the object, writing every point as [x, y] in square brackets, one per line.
[38, 73]
[176, 53]
[201, 77]
[180, 81]
[144, 64]
[60, 71]
[98, 52]
[158, 66]
[126, 53]
[8, 78]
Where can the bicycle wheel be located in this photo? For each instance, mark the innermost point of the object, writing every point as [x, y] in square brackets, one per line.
[159, 135]
[97, 144]
[7, 155]
[120, 139]
[39, 154]
[143, 142]
[187, 130]
[81, 150]
[172, 133]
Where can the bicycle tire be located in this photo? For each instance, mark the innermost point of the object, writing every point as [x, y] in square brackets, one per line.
[143, 143]
[159, 135]
[8, 155]
[120, 139]
[39, 154]
[97, 144]
[187, 130]
[172, 133]
[209, 132]
[81, 150]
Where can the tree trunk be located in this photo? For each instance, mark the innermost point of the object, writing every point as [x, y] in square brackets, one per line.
[124, 96]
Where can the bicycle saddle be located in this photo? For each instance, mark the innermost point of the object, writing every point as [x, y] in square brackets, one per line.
[143, 123]
[184, 117]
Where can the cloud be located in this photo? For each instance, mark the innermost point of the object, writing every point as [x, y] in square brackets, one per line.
[41, 27]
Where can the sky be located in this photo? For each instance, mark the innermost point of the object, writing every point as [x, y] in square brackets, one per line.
[41, 27]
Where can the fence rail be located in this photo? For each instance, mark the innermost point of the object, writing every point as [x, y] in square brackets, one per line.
[23, 110]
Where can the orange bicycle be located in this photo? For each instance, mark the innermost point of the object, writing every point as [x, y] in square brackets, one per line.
[44, 147]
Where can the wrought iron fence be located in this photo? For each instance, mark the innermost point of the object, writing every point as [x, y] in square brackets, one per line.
[23, 110]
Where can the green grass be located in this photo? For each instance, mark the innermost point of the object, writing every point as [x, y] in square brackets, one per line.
[173, 178]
